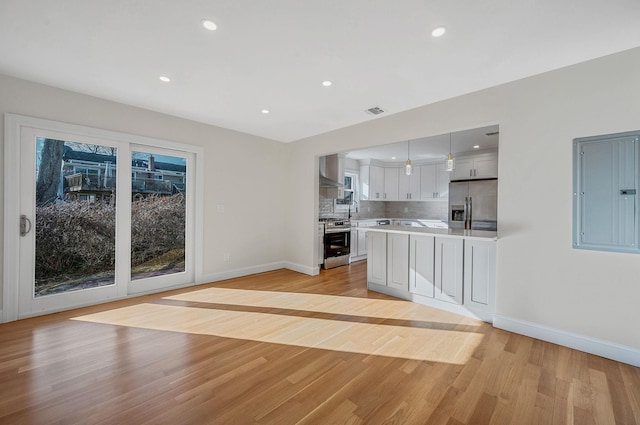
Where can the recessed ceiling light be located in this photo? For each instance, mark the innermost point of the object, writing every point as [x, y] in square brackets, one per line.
[265, 111]
[438, 31]
[208, 24]
[393, 157]
[326, 83]
[165, 79]
[476, 146]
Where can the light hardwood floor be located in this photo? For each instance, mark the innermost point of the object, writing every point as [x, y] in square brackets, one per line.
[285, 348]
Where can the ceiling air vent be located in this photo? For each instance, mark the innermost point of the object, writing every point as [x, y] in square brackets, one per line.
[376, 110]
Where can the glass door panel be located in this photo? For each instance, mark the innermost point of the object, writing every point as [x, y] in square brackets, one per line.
[68, 238]
[75, 189]
[158, 216]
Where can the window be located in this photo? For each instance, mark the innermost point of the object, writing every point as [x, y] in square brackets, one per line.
[350, 193]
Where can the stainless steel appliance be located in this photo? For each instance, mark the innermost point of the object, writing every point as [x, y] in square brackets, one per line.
[337, 242]
[473, 204]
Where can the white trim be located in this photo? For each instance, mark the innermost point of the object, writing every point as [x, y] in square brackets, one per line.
[598, 347]
[11, 219]
[245, 271]
[261, 268]
[311, 271]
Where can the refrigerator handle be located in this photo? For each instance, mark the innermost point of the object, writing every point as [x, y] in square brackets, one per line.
[466, 212]
[470, 213]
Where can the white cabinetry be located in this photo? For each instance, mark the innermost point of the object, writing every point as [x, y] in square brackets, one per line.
[377, 182]
[391, 184]
[456, 274]
[372, 183]
[421, 265]
[479, 275]
[409, 186]
[434, 182]
[476, 167]
[398, 261]
[449, 269]
[377, 258]
[427, 182]
[362, 242]
[359, 238]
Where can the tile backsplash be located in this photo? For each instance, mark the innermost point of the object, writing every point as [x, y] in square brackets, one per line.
[427, 210]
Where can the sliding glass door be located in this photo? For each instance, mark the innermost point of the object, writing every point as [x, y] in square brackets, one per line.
[99, 219]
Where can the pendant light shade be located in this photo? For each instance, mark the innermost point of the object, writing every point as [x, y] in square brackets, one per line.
[450, 164]
[407, 167]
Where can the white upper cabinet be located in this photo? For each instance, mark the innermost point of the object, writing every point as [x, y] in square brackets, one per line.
[434, 182]
[391, 184]
[482, 166]
[409, 186]
[371, 183]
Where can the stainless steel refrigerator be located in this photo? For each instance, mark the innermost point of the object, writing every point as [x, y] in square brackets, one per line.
[473, 204]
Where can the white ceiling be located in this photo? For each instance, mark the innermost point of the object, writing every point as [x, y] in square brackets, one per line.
[435, 147]
[275, 54]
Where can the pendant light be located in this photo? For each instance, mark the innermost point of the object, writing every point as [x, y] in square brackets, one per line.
[407, 167]
[450, 163]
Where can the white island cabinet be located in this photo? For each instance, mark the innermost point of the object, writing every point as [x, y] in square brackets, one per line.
[480, 275]
[398, 261]
[421, 265]
[377, 258]
[449, 269]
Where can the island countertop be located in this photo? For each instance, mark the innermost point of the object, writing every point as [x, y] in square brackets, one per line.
[447, 233]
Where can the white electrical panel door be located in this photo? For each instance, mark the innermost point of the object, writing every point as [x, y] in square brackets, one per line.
[605, 192]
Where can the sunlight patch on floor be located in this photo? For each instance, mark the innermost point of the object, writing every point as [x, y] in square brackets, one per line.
[334, 304]
[445, 346]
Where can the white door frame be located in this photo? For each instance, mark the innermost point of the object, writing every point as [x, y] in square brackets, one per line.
[14, 125]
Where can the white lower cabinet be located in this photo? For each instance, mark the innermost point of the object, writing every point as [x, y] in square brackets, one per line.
[377, 258]
[398, 261]
[362, 242]
[421, 265]
[449, 269]
[479, 274]
[454, 274]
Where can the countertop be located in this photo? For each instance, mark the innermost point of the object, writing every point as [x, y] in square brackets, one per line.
[449, 233]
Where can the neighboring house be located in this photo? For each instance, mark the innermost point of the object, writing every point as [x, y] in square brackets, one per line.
[92, 176]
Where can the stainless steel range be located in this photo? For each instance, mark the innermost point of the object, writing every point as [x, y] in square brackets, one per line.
[337, 242]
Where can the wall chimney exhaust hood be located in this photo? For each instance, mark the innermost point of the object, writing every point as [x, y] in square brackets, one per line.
[332, 170]
[332, 176]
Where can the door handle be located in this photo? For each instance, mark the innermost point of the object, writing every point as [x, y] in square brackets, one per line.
[25, 225]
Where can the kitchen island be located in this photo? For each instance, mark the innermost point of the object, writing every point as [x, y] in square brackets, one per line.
[450, 269]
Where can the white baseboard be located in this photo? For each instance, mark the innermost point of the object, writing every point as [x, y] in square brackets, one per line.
[599, 347]
[246, 271]
[311, 271]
